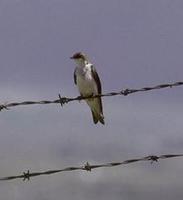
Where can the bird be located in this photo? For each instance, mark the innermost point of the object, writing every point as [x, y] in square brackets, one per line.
[88, 82]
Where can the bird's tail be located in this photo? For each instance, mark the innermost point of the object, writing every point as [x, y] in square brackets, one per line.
[98, 117]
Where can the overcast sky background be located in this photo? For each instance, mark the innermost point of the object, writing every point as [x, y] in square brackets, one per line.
[132, 44]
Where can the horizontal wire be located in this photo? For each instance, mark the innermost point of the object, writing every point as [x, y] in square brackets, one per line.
[64, 100]
[88, 167]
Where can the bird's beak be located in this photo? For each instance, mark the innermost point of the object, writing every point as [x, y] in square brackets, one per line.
[71, 57]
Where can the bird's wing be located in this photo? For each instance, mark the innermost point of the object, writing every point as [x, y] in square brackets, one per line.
[99, 87]
[75, 80]
[97, 79]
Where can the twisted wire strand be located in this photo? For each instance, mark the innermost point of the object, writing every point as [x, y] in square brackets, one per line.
[88, 167]
[64, 100]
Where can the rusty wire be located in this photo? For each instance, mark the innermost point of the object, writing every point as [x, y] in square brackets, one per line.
[64, 100]
[88, 167]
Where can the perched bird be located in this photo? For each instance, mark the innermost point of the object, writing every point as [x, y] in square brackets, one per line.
[88, 82]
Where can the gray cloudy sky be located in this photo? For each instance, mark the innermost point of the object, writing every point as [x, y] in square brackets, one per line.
[132, 44]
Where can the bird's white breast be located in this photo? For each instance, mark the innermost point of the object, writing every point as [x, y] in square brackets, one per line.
[85, 82]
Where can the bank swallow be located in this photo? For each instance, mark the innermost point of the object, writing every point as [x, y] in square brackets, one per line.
[88, 82]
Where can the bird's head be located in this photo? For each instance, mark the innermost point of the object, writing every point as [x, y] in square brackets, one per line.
[80, 58]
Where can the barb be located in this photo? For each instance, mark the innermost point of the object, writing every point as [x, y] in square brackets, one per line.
[88, 167]
[64, 100]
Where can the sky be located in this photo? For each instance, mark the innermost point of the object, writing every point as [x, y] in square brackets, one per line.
[132, 44]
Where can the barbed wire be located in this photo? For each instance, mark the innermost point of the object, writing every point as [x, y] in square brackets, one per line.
[88, 167]
[64, 100]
